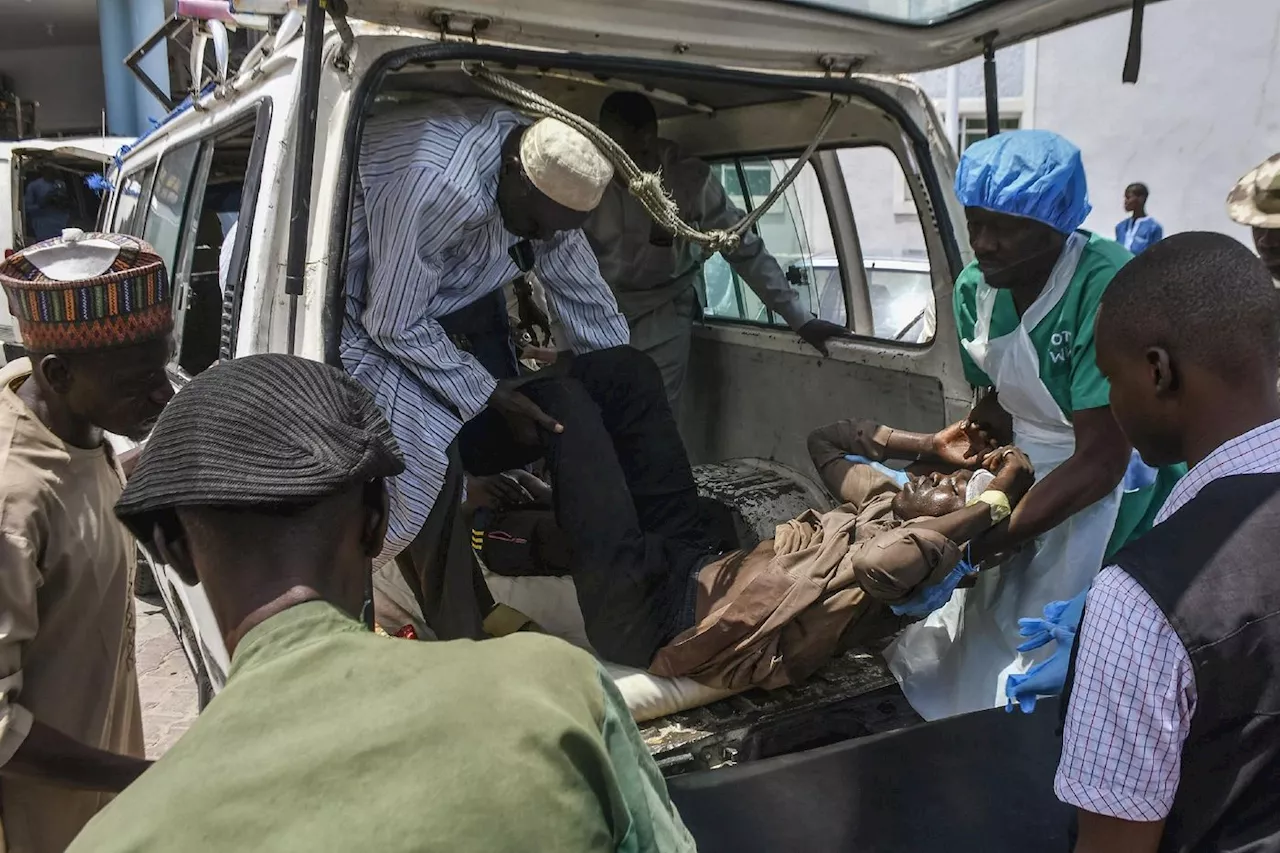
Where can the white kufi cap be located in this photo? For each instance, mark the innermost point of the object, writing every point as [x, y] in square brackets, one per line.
[564, 165]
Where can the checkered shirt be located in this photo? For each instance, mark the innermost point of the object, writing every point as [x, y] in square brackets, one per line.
[1135, 693]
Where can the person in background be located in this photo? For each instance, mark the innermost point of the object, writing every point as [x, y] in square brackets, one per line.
[1255, 202]
[1172, 731]
[94, 314]
[652, 273]
[1025, 313]
[1138, 232]
[264, 481]
[452, 200]
[47, 205]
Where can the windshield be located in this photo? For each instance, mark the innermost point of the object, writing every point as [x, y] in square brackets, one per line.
[918, 12]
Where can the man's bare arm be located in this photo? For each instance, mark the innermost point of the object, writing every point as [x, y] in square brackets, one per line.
[1094, 469]
[53, 757]
[1102, 834]
[829, 445]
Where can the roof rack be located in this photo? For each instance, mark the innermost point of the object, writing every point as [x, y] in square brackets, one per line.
[194, 26]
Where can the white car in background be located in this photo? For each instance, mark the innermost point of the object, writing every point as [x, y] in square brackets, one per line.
[903, 308]
[74, 159]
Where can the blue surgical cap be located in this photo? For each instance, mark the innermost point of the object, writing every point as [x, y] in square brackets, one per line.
[1035, 174]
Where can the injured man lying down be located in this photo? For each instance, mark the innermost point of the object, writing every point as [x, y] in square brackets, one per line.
[655, 586]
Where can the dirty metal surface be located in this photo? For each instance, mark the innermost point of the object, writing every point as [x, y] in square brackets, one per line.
[854, 695]
[762, 494]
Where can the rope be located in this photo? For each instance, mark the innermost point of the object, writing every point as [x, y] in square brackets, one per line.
[646, 186]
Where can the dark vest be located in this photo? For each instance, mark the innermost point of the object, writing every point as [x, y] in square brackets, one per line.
[1214, 569]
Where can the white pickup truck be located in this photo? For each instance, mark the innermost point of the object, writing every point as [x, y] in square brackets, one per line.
[743, 84]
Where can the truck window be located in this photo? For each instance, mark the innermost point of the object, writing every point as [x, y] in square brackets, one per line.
[893, 248]
[209, 276]
[795, 230]
[129, 214]
[169, 194]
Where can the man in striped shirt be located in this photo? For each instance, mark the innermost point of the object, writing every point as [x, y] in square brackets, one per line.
[454, 198]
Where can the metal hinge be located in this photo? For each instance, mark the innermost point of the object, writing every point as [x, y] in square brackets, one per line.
[840, 65]
[337, 10]
[458, 25]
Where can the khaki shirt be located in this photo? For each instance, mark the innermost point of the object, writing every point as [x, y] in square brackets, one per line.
[66, 615]
[770, 617]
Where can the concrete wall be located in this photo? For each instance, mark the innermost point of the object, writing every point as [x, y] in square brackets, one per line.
[1206, 108]
[65, 80]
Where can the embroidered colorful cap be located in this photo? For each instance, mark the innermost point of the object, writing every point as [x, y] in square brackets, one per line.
[86, 291]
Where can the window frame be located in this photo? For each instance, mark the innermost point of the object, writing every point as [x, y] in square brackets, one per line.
[908, 175]
[256, 113]
[859, 317]
[741, 169]
[965, 117]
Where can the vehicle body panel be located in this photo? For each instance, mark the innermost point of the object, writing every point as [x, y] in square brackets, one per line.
[781, 36]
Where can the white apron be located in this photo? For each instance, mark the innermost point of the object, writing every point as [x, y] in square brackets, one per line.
[958, 658]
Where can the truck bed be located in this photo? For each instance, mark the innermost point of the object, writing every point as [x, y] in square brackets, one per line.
[852, 696]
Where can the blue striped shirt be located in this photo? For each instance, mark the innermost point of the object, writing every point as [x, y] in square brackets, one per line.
[427, 239]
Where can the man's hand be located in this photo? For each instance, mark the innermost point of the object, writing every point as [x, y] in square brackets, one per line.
[816, 333]
[499, 492]
[989, 425]
[1015, 474]
[954, 446]
[542, 355]
[538, 489]
[522, 414]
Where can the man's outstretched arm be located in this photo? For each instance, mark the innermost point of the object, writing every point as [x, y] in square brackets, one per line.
[829, 447]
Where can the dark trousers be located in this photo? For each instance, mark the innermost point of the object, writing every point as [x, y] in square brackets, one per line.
[484, 329]
[623, 493]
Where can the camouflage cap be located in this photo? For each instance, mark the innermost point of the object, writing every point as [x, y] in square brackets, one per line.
[1255, 201]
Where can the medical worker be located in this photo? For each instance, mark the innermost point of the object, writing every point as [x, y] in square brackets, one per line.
[1025, 312]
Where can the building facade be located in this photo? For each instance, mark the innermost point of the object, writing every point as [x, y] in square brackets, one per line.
[65, 60]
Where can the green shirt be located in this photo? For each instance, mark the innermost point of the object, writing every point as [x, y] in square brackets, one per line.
[1069, 361]
[1063, 338]
[329, 737]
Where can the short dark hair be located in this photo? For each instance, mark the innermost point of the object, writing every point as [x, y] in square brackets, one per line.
[630, 108]
[1139, 189]
[1204, 298]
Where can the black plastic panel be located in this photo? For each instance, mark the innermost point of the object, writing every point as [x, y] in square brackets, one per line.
[981, 783]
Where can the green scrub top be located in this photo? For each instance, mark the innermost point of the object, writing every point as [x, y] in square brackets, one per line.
[1068, 361]
[1063, 339]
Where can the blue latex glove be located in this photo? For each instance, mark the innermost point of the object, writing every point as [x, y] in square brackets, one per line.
[1060, 623]
[1044, 679]
[931, 598]
[899, 477]
[1139, 475]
